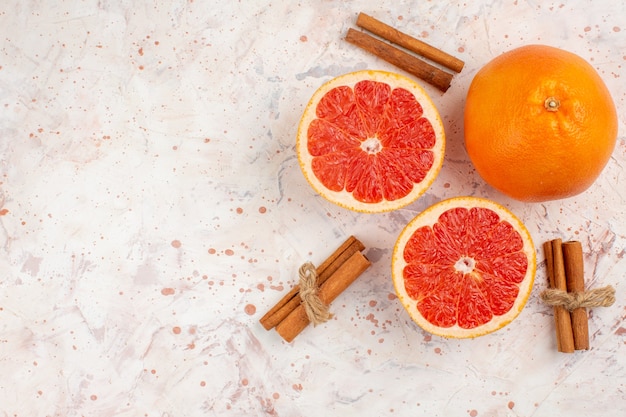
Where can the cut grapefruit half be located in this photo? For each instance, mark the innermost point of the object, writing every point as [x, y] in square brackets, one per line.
[370, 141]
[464, 267]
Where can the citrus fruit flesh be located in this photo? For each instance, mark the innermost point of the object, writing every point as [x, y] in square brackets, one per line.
[540, 124]
[370, 141]
[464, 267]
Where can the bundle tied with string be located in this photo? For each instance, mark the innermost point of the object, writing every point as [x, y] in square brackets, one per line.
[568, 296]
[308, 302]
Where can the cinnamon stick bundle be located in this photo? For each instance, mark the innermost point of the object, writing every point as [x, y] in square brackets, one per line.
[406, 41]
[334, 275]
[347, 273]
[401, 59]
[564, 262]
[398, 57]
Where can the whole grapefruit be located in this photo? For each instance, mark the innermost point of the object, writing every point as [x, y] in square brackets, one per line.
[540, 124]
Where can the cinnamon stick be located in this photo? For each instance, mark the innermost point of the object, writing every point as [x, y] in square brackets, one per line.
[292, 299]
[345, 275]
[574, 274]
[547, 249]
[409, 63]
[422, 48]
[556, 277]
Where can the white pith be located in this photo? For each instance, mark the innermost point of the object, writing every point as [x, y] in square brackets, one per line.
[465, 265]
[371, 145]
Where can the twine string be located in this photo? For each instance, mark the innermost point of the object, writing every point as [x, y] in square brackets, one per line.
[315, 309]
[597, 297]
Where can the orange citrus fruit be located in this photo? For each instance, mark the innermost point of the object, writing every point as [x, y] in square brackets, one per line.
[464, 267]
[370, 141]
[540, 124]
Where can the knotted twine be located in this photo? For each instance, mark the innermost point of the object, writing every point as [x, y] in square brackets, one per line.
[598, 297]
[315, 309]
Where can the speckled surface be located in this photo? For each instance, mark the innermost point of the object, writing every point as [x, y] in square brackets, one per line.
[152, 209]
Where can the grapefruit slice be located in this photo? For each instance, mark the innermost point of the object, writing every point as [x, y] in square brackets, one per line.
[370, 141]
[464, 267]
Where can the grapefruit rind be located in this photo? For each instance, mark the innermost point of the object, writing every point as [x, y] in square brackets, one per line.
[344, 198]
[429, 217]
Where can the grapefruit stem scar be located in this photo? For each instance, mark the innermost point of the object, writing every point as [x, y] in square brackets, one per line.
[552, 104]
